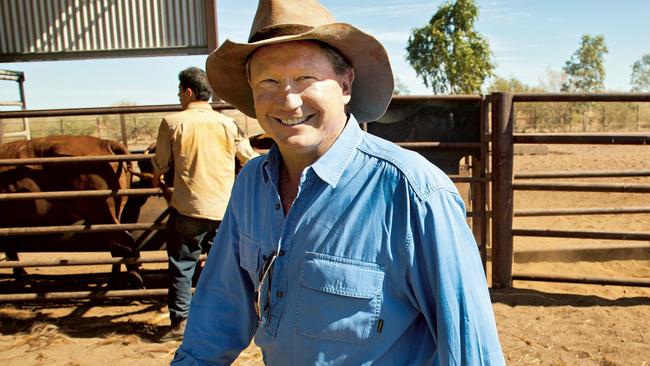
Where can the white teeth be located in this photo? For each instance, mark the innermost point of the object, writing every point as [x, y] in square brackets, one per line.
[293, 121]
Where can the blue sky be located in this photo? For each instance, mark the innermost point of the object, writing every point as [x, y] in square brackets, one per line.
[527, 38]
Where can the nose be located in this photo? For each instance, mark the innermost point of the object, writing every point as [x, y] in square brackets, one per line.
[291, 98]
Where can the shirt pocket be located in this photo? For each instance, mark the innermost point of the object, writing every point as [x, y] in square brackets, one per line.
[249, 250]
[339, 299]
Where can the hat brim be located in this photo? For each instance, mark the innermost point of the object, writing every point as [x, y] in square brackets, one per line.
[372, 88]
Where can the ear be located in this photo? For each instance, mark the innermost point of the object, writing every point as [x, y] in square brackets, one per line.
[189, 92]
[345, 81]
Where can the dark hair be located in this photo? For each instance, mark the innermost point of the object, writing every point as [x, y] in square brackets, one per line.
[340, 63]
[197, 80]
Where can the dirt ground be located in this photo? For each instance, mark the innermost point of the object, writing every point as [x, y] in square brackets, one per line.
[540, 323]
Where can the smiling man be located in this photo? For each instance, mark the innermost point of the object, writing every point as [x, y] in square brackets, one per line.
[339, 248]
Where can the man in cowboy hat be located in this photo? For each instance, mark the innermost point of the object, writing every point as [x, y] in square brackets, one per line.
[337, 247]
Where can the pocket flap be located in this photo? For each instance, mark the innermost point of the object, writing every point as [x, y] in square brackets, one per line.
[342, 276]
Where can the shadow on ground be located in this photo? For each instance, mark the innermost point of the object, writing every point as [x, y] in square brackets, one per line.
[21, 318]
[528, 297]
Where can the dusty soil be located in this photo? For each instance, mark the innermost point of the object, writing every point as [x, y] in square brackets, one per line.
[540, 323]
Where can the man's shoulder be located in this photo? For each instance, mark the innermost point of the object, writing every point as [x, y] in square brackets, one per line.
[422, 175]
[191, 114]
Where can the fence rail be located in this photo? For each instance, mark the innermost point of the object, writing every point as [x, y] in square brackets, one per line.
[503, 140]
[583, 174]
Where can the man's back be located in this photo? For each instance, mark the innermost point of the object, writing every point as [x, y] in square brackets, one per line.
[204, 144]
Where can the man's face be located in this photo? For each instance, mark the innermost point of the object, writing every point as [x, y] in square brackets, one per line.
[184, 96]
[299, 99]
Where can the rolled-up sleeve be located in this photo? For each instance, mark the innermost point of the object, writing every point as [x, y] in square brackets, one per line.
[222, 319]
[448, 283]
[163, 159]
[243, 149]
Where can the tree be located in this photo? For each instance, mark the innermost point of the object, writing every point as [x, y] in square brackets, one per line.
[586, 68]
[552, 81]
[511, 85]
[400, 87]
[640, 78]
[448, 54]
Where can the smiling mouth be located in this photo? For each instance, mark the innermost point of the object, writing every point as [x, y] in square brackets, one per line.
[293, 121]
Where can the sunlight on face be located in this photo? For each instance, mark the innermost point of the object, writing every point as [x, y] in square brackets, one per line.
[299, 99]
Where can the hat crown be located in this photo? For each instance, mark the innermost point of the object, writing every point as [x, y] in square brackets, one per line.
[271, 13]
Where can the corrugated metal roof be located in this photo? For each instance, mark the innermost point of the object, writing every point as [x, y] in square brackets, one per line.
[61, 29]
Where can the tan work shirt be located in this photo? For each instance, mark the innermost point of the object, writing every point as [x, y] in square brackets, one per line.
[202, 145]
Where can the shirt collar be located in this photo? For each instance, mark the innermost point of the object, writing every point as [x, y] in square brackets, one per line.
[270, 167]
[199, 105]
[331, 165]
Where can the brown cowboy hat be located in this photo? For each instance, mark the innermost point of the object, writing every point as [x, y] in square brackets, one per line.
[292, 20]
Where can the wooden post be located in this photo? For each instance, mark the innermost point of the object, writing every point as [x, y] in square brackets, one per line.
[123, 128]
[502, 176]
[478, 190]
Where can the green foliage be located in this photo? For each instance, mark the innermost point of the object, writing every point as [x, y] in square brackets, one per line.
[511, 85]
[448, 54]
[586, 68]
[640, 78]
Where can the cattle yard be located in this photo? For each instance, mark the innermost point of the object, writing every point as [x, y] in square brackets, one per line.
[586, 223]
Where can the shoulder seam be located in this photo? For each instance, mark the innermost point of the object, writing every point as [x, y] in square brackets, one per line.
[420, 191]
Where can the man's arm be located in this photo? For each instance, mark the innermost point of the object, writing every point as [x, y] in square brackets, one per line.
[448, 283]
[163, 159]
[243, 149]
[222, 319]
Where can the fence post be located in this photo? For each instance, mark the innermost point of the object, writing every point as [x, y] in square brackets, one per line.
[480, 193]
[502, 194]
[123, 128]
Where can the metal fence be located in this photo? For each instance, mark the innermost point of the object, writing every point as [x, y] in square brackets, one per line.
[448, 130]
[503, 141]
[444, 141]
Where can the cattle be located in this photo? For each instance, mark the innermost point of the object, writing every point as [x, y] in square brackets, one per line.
[62, 212]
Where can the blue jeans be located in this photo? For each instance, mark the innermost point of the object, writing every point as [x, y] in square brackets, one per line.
[187, 238]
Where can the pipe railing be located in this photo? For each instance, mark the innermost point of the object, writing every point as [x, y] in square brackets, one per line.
[75, 159]
[99, 228]
[99, 193]
[583, 187]
[503, 140]
[582, 211]
[161, 258]
[583, 174]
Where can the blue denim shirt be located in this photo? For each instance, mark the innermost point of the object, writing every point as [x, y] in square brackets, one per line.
[378, 268]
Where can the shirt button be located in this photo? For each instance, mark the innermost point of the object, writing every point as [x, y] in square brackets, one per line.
[277, 206]
[281, 253]
[279, 294]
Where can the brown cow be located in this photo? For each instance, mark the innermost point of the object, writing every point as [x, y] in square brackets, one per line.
[58, 212]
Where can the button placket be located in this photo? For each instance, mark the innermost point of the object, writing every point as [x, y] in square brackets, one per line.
[282, 266]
